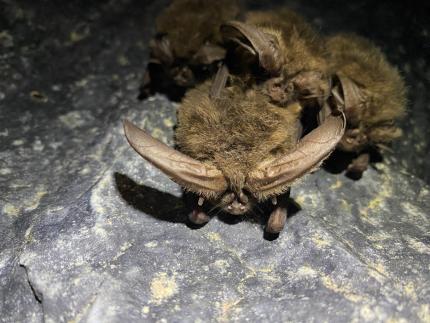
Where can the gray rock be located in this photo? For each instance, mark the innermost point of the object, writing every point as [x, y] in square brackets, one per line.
[91, 232]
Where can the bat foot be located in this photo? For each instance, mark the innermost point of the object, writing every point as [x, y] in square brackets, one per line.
[358, 166]
[197, 216]
[277, 220]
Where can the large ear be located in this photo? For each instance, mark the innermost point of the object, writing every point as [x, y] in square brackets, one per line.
[265, 46]
[192, 174]
[274, 176]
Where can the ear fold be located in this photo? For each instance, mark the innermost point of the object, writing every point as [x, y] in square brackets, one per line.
[258, 43]
[192, 174]
[274, 176]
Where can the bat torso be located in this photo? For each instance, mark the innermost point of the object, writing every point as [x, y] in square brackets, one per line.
[236, 131]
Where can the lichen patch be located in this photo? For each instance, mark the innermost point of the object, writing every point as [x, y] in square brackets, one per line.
[163, 287]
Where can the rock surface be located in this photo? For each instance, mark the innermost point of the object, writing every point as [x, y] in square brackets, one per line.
[89, 232]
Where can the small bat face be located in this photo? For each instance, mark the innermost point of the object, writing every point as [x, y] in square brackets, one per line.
[236, 203]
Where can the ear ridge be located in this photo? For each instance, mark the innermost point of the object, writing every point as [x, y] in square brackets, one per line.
[192, 174]
[260, 43]
[275, 176]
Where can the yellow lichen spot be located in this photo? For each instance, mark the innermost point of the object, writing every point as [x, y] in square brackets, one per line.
[5, 171]
[344, 289]
[367, 313]
[100, 230]
[226, 308]
[168, 122]
[380, 268]
[378, 201]
[214, 236]
[320, 241]
[10, 209]
[33, 203]
[345, 205]
[222, 265]
[413, 212]
[418, 246]
[145, 309]
[377, 276]
[396, 320]
[409, 289]
[98, 197]
[336, 185]
[300, 199]
[151, 244]
[423, 193]
[85, 171]
[163, 287]
[81, 32]
[379, 236]
[306, 271]
[17, 142]
[6, 39]
[158, 134]
[123, 60]
[424, 313]
[82, 82]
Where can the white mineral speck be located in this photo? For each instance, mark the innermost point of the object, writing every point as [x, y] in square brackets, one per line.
[17, 142]
[38, 146]
[5, 171]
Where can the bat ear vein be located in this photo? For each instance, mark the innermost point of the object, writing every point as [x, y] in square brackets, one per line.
[190, 173]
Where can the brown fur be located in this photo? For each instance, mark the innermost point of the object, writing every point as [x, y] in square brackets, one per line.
[300, 44]
[191, 23]
[382, 85]
[236, 131]
[255, 118]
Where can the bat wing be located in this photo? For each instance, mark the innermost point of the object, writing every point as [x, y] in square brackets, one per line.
[192, 174]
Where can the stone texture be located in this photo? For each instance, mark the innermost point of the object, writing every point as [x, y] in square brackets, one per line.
[89, 232]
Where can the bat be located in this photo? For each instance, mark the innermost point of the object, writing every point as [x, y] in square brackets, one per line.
[282, 99]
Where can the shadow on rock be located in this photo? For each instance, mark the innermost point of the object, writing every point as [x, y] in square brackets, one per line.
[339, 161]
[160, 205]
[167, 207]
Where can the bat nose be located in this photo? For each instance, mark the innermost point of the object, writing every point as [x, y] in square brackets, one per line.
[236, 207]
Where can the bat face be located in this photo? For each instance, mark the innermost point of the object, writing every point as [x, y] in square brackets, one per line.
[236, 203]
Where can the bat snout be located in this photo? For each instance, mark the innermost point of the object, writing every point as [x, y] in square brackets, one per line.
[237, 208]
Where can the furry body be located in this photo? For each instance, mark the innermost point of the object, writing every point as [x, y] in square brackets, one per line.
[235, 132]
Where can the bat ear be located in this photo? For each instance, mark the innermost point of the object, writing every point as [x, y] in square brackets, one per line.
[274, 176]
[192, 174]
[258, 43]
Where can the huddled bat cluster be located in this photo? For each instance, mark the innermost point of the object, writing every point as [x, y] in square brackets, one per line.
[266, 101]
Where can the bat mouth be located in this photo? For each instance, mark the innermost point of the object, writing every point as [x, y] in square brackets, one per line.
[236, 203]
[237, 208]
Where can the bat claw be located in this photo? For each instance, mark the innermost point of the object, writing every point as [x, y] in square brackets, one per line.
[277, 220]
[199, 217]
